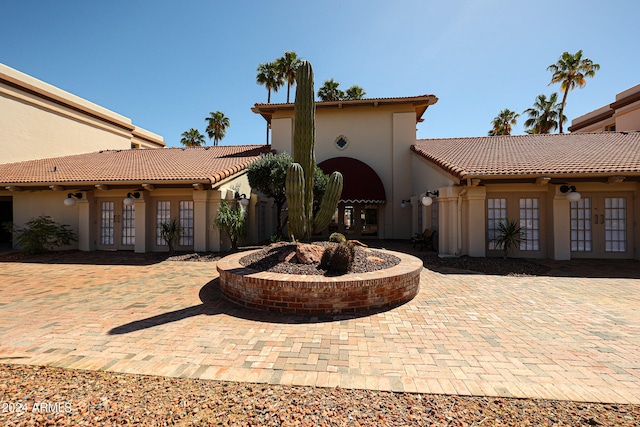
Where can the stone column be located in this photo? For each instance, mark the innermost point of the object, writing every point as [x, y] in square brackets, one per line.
[140, 224]
[200, 220]
[476, 221]
[85, 243]
[213, 205]
[252, 219]
[561, 227]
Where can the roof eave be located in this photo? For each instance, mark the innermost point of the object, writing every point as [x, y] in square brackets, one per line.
[420, 103]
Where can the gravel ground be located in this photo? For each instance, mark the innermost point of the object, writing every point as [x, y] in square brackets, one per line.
[268, 260]
[34, 396]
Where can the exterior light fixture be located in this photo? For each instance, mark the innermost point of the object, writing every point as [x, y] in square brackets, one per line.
[70, 201]
[428, 201]
[242, 198]
[571, 194]
[128, 201]
[403, 204]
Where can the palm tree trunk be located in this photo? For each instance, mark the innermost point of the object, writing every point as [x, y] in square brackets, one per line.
[269, 96]
[288, 88]
[564, 101]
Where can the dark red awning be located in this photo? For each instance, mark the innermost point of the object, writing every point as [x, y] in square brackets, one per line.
[361, 183]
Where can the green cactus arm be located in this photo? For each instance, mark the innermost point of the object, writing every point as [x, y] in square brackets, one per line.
[294, 190]
[329, 202]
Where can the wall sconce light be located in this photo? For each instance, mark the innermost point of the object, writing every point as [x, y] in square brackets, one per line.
[428, 201]
[242, 198]
[571, 194]
[403, 204]
[71, 199]
[128, 201]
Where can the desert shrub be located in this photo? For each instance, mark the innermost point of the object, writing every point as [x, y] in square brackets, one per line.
[342, 258]
[42, 234]
[275, 238]
[170, 232]
[510, 235]
[337, 238]
[232, 221]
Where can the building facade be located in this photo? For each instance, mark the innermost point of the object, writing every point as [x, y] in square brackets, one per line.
[369, 142]
[574, 195]
[40, 121]
[620, 116]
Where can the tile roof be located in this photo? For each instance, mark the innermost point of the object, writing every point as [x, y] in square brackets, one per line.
[197, 164]
[603, 153]
[420, 103]
[390, 100]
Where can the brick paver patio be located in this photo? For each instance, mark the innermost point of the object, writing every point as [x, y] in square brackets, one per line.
[468, 334]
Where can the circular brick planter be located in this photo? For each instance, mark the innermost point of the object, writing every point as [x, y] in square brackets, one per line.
[315, 294]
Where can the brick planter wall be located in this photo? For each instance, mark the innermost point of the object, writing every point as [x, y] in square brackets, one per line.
[314, 294]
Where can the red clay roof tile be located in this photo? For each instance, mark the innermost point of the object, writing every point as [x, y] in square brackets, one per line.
[501, 156]
[148, 165]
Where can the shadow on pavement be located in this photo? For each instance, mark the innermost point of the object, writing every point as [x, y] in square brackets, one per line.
[214, 303]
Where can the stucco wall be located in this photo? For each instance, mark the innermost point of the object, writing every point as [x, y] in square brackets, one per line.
[378, 136]
[628, 117]
[28, 205]
[40, 121]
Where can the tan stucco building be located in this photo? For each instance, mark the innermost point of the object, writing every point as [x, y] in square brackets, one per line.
[479, 182]
[39, 120]
[621, 115]
[369, 140]
[473, 183]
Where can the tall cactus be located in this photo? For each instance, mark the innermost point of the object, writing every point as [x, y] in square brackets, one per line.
[299, 183]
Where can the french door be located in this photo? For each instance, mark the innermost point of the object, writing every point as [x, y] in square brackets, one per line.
[601, 226]
[116, 225]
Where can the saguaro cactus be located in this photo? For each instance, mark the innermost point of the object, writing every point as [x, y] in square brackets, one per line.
[299, 183]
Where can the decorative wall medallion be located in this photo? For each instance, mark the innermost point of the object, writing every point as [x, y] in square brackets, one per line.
[341, 142]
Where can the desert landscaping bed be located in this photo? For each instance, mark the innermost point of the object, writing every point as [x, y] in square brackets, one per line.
[90, 398]
[290, 278]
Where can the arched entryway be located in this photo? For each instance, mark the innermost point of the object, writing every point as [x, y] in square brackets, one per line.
[359, 214]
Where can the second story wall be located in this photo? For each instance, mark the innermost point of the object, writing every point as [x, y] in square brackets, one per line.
[40, 121]
[621, 115]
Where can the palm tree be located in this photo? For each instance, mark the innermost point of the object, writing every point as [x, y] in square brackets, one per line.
[330, 92]
[545, 114]
[269, 77]
[217, 126]
[355, 92]
[570, 71]
[503, 121]
[192, 138]
[287, 67]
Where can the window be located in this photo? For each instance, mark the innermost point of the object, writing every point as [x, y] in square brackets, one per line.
[610, 128]
[530, 224]
[369, 220]
[163, 214]
[581, 225]
[349, 219]
[496, 213]
[186, 222]
[128, 225]
[615, 224]
[106, 223]
[341, 142]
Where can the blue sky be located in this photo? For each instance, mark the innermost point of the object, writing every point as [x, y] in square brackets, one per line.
[167, 64]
